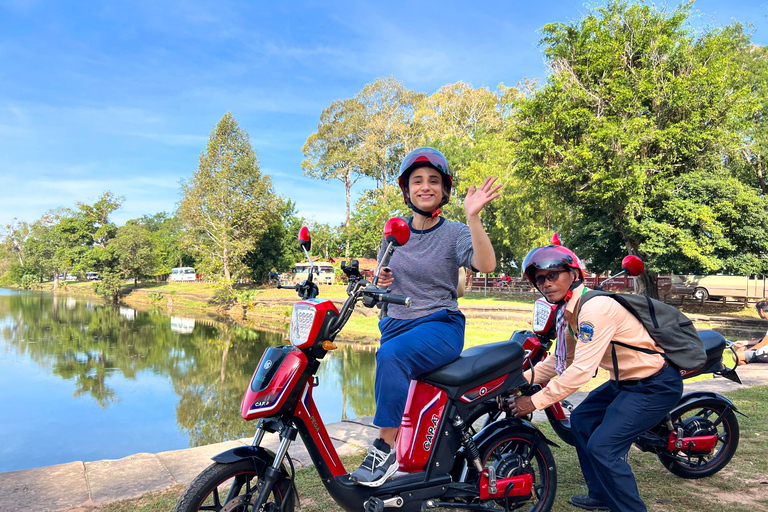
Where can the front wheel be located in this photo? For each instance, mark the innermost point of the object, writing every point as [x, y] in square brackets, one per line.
[514, 453]
[712, 418]
[233, 486]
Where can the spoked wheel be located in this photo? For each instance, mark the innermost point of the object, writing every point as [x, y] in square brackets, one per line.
[519, 453]
[714, 418]
[232, 488]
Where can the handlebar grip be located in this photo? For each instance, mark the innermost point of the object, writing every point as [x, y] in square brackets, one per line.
[396, 299]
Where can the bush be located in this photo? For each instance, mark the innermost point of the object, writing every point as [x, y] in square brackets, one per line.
[28, 281]
[110, 285]
[155, 296]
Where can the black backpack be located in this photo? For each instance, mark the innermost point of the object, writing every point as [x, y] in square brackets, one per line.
[669, 328]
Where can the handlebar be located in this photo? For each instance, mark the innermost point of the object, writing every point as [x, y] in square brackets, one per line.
[396, 299]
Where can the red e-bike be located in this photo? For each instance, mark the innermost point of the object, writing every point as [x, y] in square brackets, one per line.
[506, 466]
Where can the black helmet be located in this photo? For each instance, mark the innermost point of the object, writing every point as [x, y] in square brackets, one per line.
[425, 157]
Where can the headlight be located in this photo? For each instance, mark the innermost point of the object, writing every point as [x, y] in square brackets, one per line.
[302, 318]
[542, 316]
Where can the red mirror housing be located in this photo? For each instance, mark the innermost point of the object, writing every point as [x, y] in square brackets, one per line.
[632, 265]
[556, 239]
[305, 242]
[396, 230]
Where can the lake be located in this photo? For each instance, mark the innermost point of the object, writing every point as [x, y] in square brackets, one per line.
[84, 380]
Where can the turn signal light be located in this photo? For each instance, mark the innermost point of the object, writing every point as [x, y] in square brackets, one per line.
[328, 345]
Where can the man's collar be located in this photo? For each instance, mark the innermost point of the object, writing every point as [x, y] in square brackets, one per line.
[570, 306]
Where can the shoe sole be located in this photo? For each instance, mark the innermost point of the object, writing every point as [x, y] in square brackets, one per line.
[582, 507]
[585, 507]
[378, 483]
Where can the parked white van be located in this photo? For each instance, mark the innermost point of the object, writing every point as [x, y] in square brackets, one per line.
[183, 274]
[324, 272]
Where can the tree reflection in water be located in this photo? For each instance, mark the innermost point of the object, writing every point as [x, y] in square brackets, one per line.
[209, 365]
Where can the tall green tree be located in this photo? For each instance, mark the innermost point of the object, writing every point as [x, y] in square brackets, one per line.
[133, 246]
[335, 150]
[97, 216]
[228, 203]
[389, 133]
[278, 249]
[636, 107]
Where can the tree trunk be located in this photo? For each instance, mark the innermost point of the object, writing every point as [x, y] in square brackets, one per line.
[348, 185]
[55, 280]
[225, 261]
[648, 285]
[646, 282]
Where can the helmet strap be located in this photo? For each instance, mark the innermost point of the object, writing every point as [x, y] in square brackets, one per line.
[429, 215]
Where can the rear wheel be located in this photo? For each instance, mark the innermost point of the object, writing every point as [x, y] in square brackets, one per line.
[231, 487]
[518, 453]
[715, 418]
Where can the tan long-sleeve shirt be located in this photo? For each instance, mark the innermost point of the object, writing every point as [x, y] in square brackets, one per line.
[600, 321]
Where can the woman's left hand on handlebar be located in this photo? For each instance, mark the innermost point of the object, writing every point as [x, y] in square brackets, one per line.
[477, 198]
[385, 278]
[523, 406]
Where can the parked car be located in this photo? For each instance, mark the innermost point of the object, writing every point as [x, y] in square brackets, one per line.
[711, 287]
[183, 275]
[91, 276]
[68, 277]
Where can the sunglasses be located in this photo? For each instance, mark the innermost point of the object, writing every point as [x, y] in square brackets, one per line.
[551, 277]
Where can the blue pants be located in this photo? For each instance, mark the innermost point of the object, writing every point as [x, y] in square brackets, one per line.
[408, 349]
[606, 424]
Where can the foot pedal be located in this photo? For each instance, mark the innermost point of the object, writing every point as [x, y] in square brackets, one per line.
[374, 504]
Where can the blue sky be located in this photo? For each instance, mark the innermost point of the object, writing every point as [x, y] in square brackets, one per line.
[122, 96]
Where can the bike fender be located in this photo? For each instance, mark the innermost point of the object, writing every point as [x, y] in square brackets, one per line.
[245, 452]
[701, 397]
[514, 424]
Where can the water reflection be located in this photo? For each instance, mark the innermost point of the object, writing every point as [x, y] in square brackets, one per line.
[142, 373]
[182, 325]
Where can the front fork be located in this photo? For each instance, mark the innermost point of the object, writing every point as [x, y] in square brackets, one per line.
[272, 473]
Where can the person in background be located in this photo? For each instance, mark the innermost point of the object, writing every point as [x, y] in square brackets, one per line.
[758, 352]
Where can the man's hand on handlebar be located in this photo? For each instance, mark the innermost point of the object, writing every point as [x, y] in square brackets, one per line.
[522, 406]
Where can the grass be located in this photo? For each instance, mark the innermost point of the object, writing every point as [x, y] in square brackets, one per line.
[739, 487]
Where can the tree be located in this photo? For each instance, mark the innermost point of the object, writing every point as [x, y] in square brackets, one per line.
[636, 108]
[372, 211]
[167, 233]
[278, 249]
[228, 204]
[134, 248]
[16, 235]
[97, 215]
[388, 133]
[334, 151]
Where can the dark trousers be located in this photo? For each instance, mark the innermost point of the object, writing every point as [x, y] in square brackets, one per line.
[606, 424]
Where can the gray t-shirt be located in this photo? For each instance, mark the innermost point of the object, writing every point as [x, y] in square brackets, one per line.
[426, 269]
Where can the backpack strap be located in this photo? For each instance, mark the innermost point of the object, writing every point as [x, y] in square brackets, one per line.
[595, 293]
